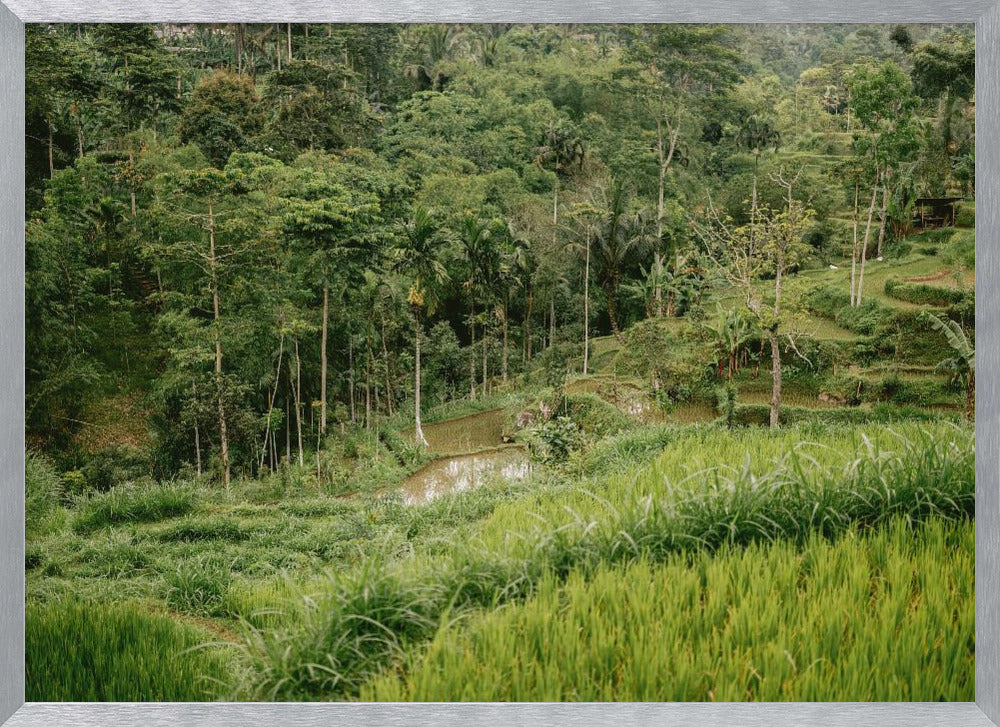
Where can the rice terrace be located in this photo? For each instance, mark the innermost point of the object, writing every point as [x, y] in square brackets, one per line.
[500, 362]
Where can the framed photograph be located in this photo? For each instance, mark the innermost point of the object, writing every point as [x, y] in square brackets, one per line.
[533, 363]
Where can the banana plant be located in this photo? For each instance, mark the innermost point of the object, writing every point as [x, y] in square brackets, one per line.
[962, 365]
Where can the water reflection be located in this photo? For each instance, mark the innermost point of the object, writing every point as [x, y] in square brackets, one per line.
[457, 474]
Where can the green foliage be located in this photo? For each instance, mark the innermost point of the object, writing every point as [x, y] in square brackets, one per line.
[199, 586]
[223, 115]
[965, 215]
[771, 602]
[961, 250]
[552, 441]
[116, 653]
[42, 492]
[924, 294]
[835, 303]
[759, 415]
[368, 618]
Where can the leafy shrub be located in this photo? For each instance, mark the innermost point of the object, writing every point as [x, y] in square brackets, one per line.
[134, 503]
[115, 466]
[725, 403]
[661, 357]
[592, 414]
[553, 440]
[965, 214]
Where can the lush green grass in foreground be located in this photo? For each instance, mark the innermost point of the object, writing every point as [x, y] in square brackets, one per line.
[710, 491]
[120, 653]
[887, 616]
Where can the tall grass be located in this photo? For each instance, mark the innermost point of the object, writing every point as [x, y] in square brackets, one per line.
[42, 490]
[76, 652]
[134, 503]
[365, 619]
[887, 616]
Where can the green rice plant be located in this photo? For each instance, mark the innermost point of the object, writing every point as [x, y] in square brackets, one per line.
[198, 586]
[364, 619]
[880, 616]
[89, 652]
[340, 640]
[134, 504]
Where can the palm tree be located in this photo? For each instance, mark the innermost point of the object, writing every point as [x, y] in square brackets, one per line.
[514, 252]
[482, 266]
[561, 148]
[963, 364]
[416, 251]
[622, 234]
[756, 134]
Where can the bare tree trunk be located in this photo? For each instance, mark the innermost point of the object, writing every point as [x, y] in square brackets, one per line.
[197, 437]
[240, 35]
[503, 370]
[322, 350]
[864, 246]
[527, 319]
[288, 427]
[298, 402]
[970, 397]
[472, 346]
[485, 345]
[417, 428]
[368, 390]
[882, 218]
[52, 163]
[609, 292]
[289, 41]
[350, 374]
[552, 320]
[217, 335]
[274, 394]
[586, 306]
[388, 374]
[854, 247]
[775, 377]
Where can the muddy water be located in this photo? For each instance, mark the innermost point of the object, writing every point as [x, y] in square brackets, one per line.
[456, 474]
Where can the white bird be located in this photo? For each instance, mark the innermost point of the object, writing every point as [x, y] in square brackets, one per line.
[879, 259]
[834, 267]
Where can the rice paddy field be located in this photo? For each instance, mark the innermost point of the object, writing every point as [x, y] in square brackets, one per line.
[663, 563]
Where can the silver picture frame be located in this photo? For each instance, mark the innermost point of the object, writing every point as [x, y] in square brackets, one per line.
[985, 14]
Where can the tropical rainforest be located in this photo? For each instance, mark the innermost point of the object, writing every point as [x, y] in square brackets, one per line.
[499, 362]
